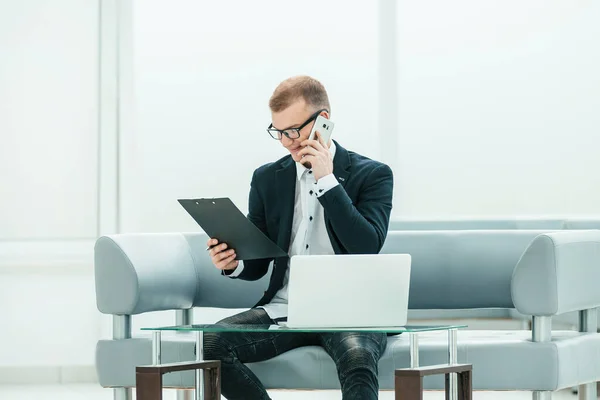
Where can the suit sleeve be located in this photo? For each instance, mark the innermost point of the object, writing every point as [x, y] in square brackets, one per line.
[362, 228]
[255, 269]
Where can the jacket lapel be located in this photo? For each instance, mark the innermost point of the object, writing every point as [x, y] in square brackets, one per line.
[286, 189]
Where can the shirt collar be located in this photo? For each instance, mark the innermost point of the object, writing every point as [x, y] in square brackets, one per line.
[301, 169]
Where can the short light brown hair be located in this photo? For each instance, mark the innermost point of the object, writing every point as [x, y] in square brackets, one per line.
[294, 88]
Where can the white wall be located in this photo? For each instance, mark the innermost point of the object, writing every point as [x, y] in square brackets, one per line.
[48, 319]
[203, 76]
[496, 102]
[48, 118]
[48, 182]
[498, 108]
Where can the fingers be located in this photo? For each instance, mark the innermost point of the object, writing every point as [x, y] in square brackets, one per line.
[227, 263]
[316, 143]
[222, 258]
[223, 255]
[308, 150]
[217, 249]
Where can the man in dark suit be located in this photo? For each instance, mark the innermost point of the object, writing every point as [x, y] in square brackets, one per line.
[320, 199]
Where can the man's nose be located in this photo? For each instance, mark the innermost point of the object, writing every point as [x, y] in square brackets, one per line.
[286, 141]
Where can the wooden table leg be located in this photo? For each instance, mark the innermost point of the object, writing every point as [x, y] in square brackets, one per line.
[409, 388]
[148, 385]
[465, 390]
[409, 381]
[149, 378]
[212, 384]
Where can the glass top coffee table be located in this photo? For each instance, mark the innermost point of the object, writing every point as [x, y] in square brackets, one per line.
[149, 378]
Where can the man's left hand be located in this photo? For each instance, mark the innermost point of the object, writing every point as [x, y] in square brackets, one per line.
[317, 153]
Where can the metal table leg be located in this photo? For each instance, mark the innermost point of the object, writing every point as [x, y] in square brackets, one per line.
[414, 349]
[452, 360]
[156, 348]
[199, 372]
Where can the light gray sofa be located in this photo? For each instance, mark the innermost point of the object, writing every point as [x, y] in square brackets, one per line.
[539, 274]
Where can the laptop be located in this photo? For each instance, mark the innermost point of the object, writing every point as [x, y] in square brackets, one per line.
[348, 291]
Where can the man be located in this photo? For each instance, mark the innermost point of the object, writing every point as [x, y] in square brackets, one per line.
[320, 199]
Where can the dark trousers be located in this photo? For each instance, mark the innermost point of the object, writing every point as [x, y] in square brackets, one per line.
[356, 356]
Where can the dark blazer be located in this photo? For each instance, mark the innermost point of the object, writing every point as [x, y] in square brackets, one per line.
[357, 212]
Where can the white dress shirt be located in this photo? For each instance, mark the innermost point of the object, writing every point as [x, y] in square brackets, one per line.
[309, 233]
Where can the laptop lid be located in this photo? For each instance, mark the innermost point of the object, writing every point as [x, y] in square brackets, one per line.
[343, 291]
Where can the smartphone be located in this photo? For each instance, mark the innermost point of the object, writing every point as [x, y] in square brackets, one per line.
[324, 127]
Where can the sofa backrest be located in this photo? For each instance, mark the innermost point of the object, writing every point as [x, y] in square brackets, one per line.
[414, 224]
[458, 269]
[454, 269]
[408, 224]
[450, 269]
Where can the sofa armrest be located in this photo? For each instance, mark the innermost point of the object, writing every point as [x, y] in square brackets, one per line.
[137, 273]
[558, 273]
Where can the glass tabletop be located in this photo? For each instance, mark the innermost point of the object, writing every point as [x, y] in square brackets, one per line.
[282, 328]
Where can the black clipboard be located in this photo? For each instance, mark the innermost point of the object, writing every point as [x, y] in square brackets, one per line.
[222, 220]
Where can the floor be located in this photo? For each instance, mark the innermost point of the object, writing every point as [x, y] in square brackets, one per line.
[93, 392]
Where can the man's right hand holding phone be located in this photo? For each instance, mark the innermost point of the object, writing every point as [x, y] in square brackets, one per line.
[221, 257]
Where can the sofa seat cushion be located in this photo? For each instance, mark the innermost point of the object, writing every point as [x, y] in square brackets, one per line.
[502, 360]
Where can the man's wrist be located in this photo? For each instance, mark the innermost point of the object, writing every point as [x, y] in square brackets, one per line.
[234, 273]
[325, 184]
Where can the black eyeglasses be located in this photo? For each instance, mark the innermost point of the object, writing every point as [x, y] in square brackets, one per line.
[292, 133]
